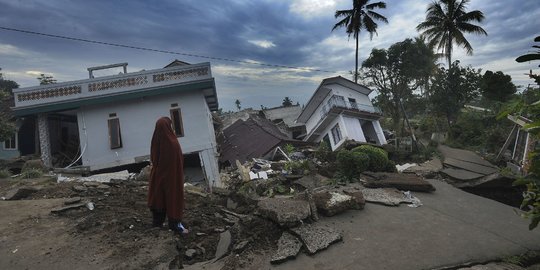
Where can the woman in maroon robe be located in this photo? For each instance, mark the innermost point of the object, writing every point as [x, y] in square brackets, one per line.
[166, 189]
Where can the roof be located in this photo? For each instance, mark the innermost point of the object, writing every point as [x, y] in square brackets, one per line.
[252, 138]
[286, 113]
[321, 93]
[110, 89]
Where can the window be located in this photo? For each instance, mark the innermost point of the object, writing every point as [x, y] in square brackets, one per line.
[11, 143]
[353, 104]
[336, 134]
[115, 136]
[176, 117]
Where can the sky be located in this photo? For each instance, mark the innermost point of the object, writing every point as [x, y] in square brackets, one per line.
[293, 33]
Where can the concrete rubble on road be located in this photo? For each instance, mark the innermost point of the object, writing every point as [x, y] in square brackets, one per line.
[316, 237]
[19, 193]
[288, 247]
[400, 181]
[385, 196]
[285, 211]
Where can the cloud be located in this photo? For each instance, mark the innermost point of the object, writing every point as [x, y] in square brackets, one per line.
[262, 43]
[310, 9]
[10, 50]
[35, 73]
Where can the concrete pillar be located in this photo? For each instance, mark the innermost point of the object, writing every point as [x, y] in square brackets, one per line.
[44, 140]
[379, 131]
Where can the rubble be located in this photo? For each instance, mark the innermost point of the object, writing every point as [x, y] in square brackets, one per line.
[316, 237]
[224, 244]
[288, 247]
[396, 180]
[72, 200]
[286, 212]
[385, 196]
[68, 207]
[330, 203]
[19, 193]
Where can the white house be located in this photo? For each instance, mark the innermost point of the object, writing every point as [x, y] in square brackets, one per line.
[341, 110]
[106, 122]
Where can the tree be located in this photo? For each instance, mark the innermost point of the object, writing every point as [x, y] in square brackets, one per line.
[397, 72]
[531, 57]
[446, 22]
[361, 16]
[452, 88]
[6, 99]
[237, 102]
[497, 86]
[46, 79]
[287, 102]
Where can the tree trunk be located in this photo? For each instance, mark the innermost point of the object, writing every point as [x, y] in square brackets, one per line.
[449, 53]
[356, 62]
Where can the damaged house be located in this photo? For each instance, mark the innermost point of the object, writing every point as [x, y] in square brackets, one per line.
[518, 145]
[106, 122]
[341, 110]
[285, 118]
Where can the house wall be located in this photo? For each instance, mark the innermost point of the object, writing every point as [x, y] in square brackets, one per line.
[328, 131]
[137, 122]
[9, 153]
[354, 129]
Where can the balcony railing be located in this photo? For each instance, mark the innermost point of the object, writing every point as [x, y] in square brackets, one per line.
[339, 102]
[60, 92]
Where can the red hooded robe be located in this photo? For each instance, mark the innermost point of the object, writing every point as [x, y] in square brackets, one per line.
[166, 189]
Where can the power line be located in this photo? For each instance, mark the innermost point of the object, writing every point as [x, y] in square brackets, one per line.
[161, 51]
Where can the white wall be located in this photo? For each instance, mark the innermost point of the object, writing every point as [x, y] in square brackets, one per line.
[328, 131]
[354, 129]
[137, 122]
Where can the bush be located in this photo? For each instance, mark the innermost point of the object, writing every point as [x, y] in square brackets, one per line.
[324, 153]
[297, 166]
[31, 173]
[5, 173]
[378, 158]
[350, 164]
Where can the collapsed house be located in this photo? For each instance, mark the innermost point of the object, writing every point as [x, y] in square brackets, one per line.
[521, 143]
[341, 110]
[285, 119]
[106, 122]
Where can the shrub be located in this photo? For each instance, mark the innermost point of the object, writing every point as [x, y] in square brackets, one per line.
[378, 158]
[324, 153]
[31, 173]
[5, 173]
[297, 166]
[350, 164]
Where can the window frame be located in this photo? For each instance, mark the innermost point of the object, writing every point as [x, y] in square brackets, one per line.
[12, 141]
[336, 132]
[175, 125]
[110, 122]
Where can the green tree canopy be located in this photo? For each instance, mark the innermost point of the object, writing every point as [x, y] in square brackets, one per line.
[238, 103]
[397, 72]
[46, 79]
[360, 16]
[452, 88]
[445, 24]
[497, 86]
[6, 100]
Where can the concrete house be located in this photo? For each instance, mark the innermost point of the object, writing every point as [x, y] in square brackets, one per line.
[105, 122]
[341, 110]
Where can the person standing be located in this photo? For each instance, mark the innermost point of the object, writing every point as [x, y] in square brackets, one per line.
[166, 187]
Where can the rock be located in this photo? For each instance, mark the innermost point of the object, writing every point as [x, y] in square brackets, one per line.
[224, 244]
[385, 196]
[219, 230]
[72, 200]
[144, 175]
[103, 187]
[358, 197]
[297, 156]
[190, 253]
[316, 237]
[20, 193]
[67, 207]
[231, 204]
[284, 211]
[288, 247]
[80, 188]
[91, 184]
[240, 246]
[195, 191]
[401, 181]
[200, 234]
[311, 182]
[330, 203]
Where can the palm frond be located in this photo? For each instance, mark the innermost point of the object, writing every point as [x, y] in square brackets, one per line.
[376, 5]
[471, 28]
[476, 15]
[461, 40]
[343, 13]
[377, 16]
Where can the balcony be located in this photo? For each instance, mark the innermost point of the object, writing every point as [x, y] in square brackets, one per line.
[102, 87]
[338, 104]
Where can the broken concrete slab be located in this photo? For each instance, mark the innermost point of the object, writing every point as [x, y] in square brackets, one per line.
[463, 155]
[223, 246]
[80, 188]
[494, 266]
[431, 166]
[239, 247]
[311, 181]
[461, 175]
[72, 200]
[405, 182]
[288, 247]
[330, 203]
[358, 196]
[20, 193]
[316, 237]
[470, 166]
[286, 212]
[67, 207]
[385, 196]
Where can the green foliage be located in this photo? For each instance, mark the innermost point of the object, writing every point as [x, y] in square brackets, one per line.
[324, 153]
[46, 79]
[451, 89]
[497, 86]
[31, 173]
[395, 73]
[238, 104]
[378, 158]
[350, 164]
[288, 149]
[5, 173]
[286, 102]
[531, 57]
[297, 166]
[7, 127]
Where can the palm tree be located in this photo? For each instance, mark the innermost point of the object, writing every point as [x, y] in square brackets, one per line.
[446, 22]
[361, 16]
